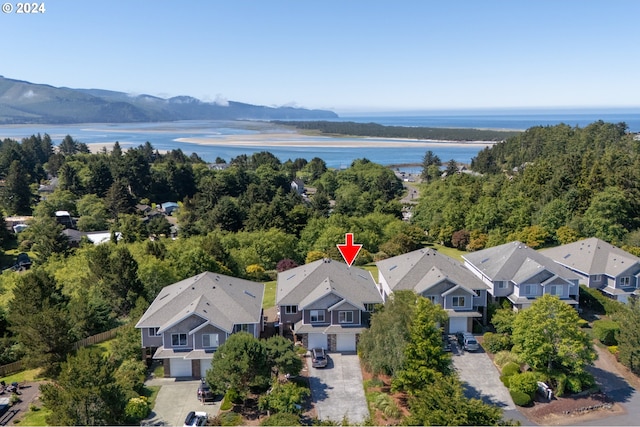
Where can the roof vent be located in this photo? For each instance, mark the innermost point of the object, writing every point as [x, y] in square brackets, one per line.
[393, 267]
[250, 294]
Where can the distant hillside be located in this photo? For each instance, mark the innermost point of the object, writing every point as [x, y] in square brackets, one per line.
[24, 102]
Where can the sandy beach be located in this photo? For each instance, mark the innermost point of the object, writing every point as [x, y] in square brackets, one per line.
[298, 140]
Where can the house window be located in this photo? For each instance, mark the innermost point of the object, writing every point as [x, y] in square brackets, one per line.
[178, 340]
[369, 308]
[241, 328]
[210, 340]
[556, 290]
[458, 301]
[290, 309]
[432, 298]
[317, 315]
[345, 316]
[597, 278]
[502, 285]
[153, 332]
[528, 290]
[625, 281]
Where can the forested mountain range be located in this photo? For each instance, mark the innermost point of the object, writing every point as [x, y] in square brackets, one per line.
[24, 102]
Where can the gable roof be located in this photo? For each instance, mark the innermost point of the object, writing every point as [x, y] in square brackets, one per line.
[222, 300]
[592, 256]
[515, 261]
[419, 270]
[310, 282]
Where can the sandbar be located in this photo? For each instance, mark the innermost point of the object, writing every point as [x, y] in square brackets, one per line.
[298, 140]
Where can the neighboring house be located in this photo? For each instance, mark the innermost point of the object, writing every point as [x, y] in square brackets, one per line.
[600, 265]
[169, 207]
[326, 303]
[74, 237]
[190, 319]
[521, 274]
[64, 218]
[441, 279]
[297, 185]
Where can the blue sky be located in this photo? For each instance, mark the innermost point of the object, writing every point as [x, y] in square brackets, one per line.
[346, 55]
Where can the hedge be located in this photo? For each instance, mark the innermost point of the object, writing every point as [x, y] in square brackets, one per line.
[510, 368]
[605, 331]
[520, 399]
[496, 342]
[594, 299]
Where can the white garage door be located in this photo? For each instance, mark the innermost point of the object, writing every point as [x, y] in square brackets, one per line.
[345, 342]
[180, 367]
[457, 324]
[317, 340]
[205, 365]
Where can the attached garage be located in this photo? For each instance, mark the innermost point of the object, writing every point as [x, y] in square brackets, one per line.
[317, 340]
[205, 365]
[180, 367]
[458, 324]
[345, 342]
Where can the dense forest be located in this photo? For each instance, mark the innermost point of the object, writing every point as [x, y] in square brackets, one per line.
[549, 185]
[381, 131]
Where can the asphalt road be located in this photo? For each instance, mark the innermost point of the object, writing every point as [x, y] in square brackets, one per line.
[337, 390]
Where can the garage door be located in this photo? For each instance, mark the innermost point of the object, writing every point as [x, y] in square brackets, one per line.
[205, 365]
[317, 340]
[180, 367]
[345, 342]
[457, 324]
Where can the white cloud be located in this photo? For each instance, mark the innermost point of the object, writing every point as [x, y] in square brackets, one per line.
[221, 100]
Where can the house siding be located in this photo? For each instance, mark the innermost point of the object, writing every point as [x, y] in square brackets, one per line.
[148, 340]
[468, 305]
[182, 328]
[306, 317]
[209, 329]
[335, 317]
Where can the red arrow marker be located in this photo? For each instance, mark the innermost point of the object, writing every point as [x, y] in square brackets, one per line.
[349, 250]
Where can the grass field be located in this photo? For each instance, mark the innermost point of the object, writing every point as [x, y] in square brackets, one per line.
[269, 295]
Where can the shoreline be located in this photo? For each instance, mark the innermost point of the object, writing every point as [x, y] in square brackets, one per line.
[303, 141]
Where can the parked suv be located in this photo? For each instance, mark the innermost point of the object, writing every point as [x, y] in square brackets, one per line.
[470, 342]
[196, 419]
[204, 392]
[318, 358]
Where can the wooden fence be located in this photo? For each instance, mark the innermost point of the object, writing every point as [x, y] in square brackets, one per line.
[94, 339]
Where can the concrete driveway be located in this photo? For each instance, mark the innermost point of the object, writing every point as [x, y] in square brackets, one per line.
[482, 381]
[175, 400]
[337, 390]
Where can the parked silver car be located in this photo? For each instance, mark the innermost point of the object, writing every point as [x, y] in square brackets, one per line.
[319, 358]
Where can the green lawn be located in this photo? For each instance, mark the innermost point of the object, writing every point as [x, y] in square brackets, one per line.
[35, 417]
[451, 252]
[269, 295]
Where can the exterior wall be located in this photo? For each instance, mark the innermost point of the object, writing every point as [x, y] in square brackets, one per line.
[631, 273]
[574, 289]
[535, 290]
[306, 317]
[325, 302]
[289, 318]
[468, 300]
[182, 328]
[497, 291]
[167, 367]
[597, 281]
[564, 292]
[195, 368]
[481, 299]
[335, 317]
[384, 286]
[332, 342]
[148, 340]
[209, 329]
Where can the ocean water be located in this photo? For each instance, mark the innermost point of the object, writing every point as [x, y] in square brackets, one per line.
[163, 136]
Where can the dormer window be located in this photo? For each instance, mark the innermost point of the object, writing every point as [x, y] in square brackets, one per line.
[178, 340]
[316, 316]
[153, 332]
[290, 309]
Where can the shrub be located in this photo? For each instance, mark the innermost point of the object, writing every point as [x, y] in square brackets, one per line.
[386, 405]
[504, 357]
[594, 299]
[511, 368]
[284, 398]
[520, 399]
[578, 383]
[496, 342]
[137, 408]
[227, 402]
[281, 419]
[230, 419]
[526, 382]
[605, 331]
[505, 380]
[583, 323]
[373, 383]
[613, 349]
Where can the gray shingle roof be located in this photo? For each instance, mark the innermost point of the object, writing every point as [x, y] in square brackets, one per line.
[592, 256]
[223, 300]
[421, 269]
[310, 282]
[505, 262]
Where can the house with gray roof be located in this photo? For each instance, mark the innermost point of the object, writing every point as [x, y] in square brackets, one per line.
[326, 303]
[441, 279]
[600, 265]
[190, 319]
[520, 274]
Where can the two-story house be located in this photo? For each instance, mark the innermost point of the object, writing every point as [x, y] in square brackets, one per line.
[187, 321]
[600, 265]
[441, 279]
[521, 274]
[326, 303]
